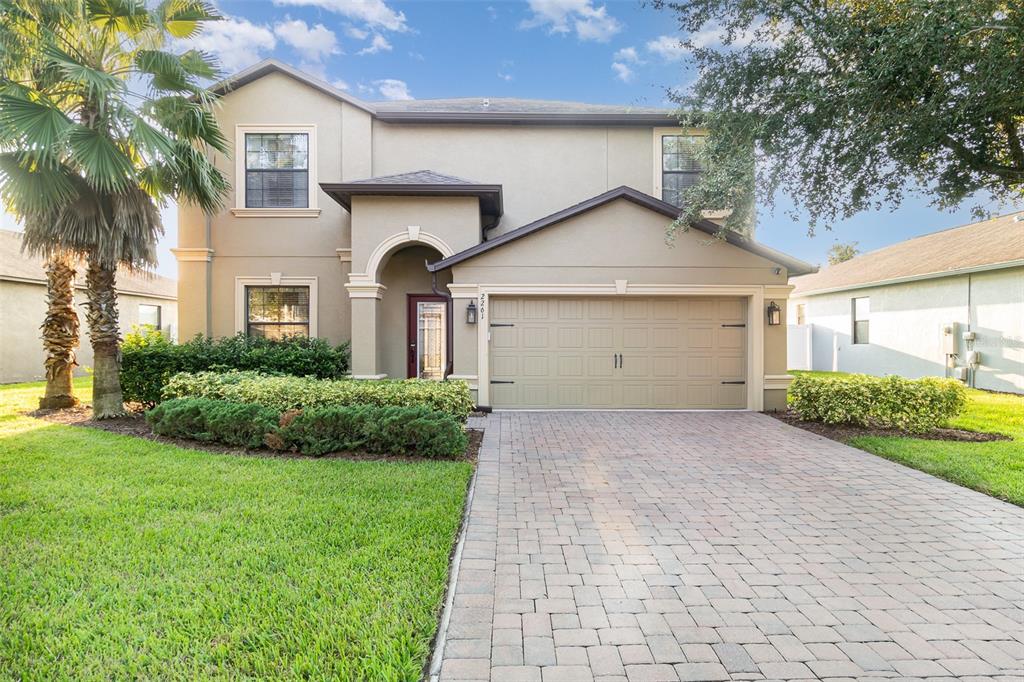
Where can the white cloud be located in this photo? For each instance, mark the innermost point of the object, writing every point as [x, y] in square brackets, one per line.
[669, 48]
[375, 13]
[391, 88]
[627, 55]
[313, 43]
[622, 72]
[340, 84]
[236, 42]
[505, 70]
[714, 36]
[417, 56]
[564, 16]
[378, 44]
[356, 32]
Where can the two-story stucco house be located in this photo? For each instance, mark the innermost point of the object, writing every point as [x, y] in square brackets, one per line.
[518, 245]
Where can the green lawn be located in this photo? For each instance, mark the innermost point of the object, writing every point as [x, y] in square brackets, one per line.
[123, 558]
[995, 468]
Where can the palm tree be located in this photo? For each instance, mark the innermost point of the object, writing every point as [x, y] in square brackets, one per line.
[100, 124]
[60, 332]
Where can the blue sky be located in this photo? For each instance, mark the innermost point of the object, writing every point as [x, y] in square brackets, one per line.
[584, 50]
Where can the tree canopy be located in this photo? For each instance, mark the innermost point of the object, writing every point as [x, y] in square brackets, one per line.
[840, 252]
[845, 105]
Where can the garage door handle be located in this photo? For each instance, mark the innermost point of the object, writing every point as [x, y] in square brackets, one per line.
[502, 324]
[734, 382]
[734, 325]
[498, 381]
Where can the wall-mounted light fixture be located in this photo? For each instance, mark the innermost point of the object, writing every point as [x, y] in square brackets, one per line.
[471, 313]
[774, 314]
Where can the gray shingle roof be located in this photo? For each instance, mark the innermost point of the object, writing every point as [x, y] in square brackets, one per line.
[990, 243]
[512, 105]
[420, 177]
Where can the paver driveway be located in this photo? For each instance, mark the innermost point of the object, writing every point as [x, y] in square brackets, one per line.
[713, 546]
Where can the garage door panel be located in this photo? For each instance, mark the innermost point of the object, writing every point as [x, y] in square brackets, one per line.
[570, 337]
[561, 352]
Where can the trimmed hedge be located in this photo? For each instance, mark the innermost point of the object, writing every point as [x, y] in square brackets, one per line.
[316, 431]
[149, 359]
[214, 421]
[914, 405]
[288, 393]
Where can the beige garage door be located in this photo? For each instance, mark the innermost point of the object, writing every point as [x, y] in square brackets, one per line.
[621, 352]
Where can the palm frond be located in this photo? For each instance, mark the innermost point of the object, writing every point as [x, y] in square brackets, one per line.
[28, 185]
[198, 181]
[150, 142]
[188, 120]
[199, 64]
[98, 84]
[185, 18]
[121, 16]
[103, 163]
[32, 123]
[165, 68]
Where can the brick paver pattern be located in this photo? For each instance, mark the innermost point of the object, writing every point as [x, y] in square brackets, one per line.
[716, 546]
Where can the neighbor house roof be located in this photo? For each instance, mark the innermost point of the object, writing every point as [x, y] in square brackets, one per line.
[497, 110]
[990, 244]
[16, 266]
[421, 183]
[793, 265]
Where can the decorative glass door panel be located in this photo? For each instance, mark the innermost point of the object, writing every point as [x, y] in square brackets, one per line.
[429, 344]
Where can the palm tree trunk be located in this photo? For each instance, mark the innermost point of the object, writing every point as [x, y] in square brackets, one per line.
[105, 335]
[60, 334]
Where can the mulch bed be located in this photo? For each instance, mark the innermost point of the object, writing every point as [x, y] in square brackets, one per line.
[845, 432]
[134, 424]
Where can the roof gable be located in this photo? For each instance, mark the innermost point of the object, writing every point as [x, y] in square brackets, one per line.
[793, 265]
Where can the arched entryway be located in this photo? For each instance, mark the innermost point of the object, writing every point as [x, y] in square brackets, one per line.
[413, 338]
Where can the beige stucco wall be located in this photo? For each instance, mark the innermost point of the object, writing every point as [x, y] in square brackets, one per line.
[541, 169]
[295, 246]
[22, 310]
[453, 220]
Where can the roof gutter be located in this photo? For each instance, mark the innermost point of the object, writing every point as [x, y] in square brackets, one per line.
[512, 118]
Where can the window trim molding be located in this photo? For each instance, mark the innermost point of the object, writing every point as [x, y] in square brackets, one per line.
[240, 210]
[275, 280]
[657, 134]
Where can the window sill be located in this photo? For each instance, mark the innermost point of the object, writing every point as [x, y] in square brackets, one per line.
[275, 212]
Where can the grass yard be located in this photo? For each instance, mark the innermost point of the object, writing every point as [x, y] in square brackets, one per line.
[123, 558]
[995, 468]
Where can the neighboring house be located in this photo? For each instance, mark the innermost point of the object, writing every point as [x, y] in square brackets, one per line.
[906, 309]
[141, 299]
[516, 244]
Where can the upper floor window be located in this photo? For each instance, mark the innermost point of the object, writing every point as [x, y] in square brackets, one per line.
[680, 167]
[861, 313]
[274, 312]
[801, 313]
[276, 170]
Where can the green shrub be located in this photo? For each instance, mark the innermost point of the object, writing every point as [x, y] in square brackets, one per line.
[316, 431]
[288, 392]
[214, 421]
[385, 430]
[915, 405]
[149, 359]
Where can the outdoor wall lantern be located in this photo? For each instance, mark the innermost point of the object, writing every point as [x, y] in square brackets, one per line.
[471, 313]
[774, 314]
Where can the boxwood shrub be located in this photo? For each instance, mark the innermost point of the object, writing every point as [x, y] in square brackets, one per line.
[915, 405]
[149, 359]
[289, 392]
[382, 430]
